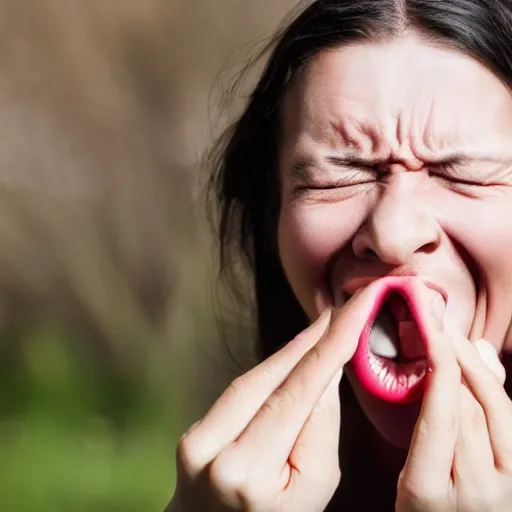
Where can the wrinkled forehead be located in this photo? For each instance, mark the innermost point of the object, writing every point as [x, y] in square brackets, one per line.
[391, 92]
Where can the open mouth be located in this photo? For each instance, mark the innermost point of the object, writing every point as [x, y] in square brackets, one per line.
[391, 358]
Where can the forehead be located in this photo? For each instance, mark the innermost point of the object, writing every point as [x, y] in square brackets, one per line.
[392, 92]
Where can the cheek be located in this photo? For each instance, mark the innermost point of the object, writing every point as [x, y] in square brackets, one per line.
[483, 231]
[309, 237]
[486, 234]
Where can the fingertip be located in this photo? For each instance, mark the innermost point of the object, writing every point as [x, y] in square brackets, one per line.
[325, 317]
[316, 327]
[489, 355]
[432, 306]
[485, 347]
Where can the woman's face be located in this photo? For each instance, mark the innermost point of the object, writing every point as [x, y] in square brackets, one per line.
[396, 159]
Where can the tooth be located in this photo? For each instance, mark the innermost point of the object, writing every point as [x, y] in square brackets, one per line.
[383, 337]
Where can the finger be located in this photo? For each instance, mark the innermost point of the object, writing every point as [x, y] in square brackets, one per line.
[315, 453]
[319, 438]
[474, 458]
[291, 404]
[235, 408]
[491, 395]
[490, 357]
[429, 462]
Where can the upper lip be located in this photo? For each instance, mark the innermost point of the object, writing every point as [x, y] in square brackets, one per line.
[356, 283]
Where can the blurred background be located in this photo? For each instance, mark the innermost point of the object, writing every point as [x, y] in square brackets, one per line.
[110, 344]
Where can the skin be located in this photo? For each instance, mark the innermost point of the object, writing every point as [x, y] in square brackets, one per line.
[407, 214]
[270, 443]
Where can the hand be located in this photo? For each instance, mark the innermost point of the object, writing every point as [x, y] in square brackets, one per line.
[270, 442]
[460, 457]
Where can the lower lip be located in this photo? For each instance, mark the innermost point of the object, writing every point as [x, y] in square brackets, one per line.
[395, 382]
[390, 380]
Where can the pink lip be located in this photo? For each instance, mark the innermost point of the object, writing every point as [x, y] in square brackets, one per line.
[356, 283]
[385, 379]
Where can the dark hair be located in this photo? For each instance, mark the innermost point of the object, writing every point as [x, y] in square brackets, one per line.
[244, 180]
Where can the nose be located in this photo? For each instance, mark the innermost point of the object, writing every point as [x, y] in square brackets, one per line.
[397, 227]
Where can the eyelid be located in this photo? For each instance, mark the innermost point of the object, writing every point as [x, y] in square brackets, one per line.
[444, 172]
[344, 176]
[338, 184]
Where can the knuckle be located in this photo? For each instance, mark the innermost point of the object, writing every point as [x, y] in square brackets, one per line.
[234, 387]
[227, 478]
[281, 399]
[188, 455]
[253, 496]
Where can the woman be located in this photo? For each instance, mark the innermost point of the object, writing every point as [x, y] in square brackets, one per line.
[368, 183]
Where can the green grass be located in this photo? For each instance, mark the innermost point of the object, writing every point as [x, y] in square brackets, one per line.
[73, 438]
[46, 467]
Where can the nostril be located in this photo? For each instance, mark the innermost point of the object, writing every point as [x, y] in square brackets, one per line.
[428, 248]
[370, 253]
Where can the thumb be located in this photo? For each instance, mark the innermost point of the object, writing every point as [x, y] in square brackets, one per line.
[490, 357]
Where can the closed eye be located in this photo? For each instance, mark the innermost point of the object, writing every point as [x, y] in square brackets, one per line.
[457, 181]
[339, 184]
[341, 178]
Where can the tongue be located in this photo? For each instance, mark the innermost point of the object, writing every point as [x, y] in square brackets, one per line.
[411, 344]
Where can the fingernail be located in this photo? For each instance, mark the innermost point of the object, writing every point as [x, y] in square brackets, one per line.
[486, 348]
[322, 317]
[325, 316]
[358, 292]
[489, 355]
